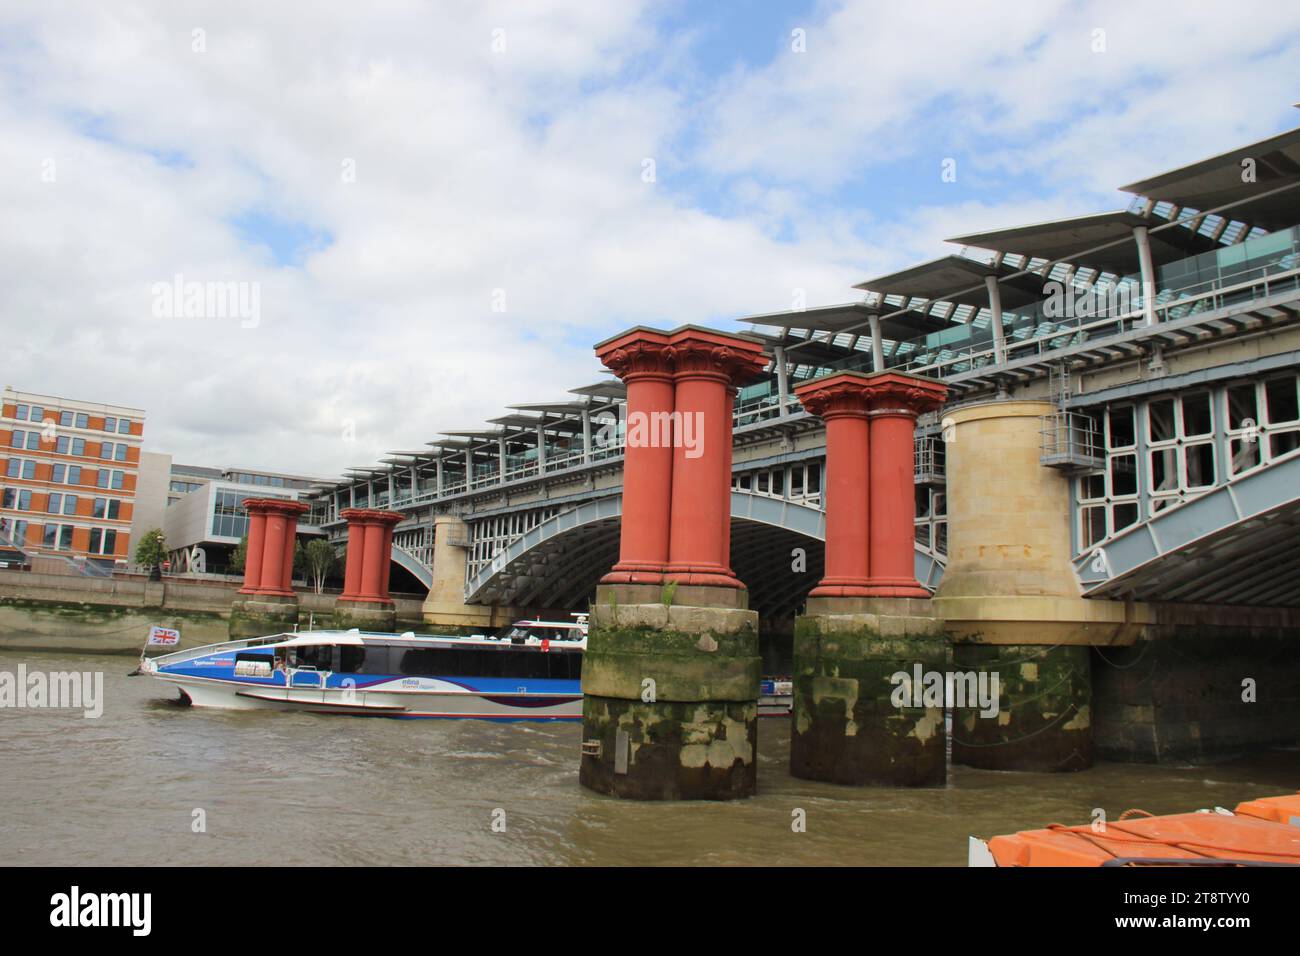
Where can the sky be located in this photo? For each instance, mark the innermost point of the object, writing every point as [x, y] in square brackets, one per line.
[401, 216]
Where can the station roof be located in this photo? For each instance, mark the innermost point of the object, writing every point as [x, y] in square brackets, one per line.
[553, 408]
[853, 318]
[959, 280]
[518, 420]
[1217, 181]
[610, 389]
[1075, 241]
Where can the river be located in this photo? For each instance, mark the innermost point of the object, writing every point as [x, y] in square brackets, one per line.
[284, 788]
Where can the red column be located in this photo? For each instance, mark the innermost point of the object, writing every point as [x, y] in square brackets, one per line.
[372, 571]
[841, 400]
[253, 550]
[709, 366]
[895, 400]
[268, 567]
[388, 560]
[643, 359]
[356, 519]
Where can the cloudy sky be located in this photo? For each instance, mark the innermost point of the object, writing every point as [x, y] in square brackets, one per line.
[441, 205]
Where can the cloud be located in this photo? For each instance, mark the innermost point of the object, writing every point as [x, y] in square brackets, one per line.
[385, 173]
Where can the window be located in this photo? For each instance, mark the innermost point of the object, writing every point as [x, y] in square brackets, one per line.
[1197, 419]
[13, 467]
[110, 424]
[24, 500]
[57, 473]
[83, 420]
[65, 537]
[98, 507]
[123, 426]
[1280, 399]
[33, 441]
[96, 540]
[110, 542]
[29, 470]
[51, 537]
[106, 450]
[20, 413]
[65, 419]
[102, 478]
[119, 453]
[16, 439]
[8, 497]
[116, 483]
[61, 444]
[55, 504]
[114, 508]
[79, 447]
[69, 504]
[74, 474]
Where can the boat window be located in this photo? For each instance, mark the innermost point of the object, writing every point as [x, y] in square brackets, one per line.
[483, 662]
[319, 656]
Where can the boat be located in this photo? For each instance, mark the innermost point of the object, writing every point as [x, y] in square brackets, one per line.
[1261, 832]
[383, 675]
[530, 670]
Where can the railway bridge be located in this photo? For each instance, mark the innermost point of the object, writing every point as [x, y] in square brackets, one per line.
[1103, 505]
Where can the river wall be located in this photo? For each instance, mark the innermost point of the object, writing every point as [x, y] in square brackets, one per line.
[113, 615]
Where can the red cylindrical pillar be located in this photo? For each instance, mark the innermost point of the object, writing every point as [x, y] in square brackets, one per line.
[356, 552]
[273, 554]
[253, 550]
[643, 359]
[895, 400]
[290, 544]
[841, 400]
[387, 560]
[709, 366]
[372, 571]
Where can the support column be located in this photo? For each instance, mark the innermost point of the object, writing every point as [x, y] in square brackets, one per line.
[643, 359]
[253, 552]
[267, 603]
[1147, 270]
[1010, 598]
[782, 381]
[877, 344]
[995, 319]
[869, 644]
[670, 676]
[895, 401]
[365, 603]
[445, 608]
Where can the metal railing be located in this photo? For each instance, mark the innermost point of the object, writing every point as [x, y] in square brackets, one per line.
[1071, 441]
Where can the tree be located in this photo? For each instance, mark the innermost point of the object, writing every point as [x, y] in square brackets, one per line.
[151, 549]
[239, 556]
[319, 562]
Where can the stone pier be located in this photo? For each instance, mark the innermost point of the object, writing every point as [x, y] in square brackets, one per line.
[856, 720]
[267, 603]
[670, 677]
[1010, 599]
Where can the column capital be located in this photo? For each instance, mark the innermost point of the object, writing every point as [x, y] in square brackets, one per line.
[282, 506]
[638, 353]
[371, 516]
[704, 353]
[901, 394]
[838, 395]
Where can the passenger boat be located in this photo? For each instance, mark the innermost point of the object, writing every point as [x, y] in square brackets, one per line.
[385, 675]
[1258, 832]
[531, 670]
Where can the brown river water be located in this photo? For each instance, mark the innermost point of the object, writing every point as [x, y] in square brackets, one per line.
[298, 789]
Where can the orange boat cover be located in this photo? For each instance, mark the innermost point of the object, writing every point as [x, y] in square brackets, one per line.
[1278, 809]
[1184, 836]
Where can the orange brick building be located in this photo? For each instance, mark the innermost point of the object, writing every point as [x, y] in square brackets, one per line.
[68, 475]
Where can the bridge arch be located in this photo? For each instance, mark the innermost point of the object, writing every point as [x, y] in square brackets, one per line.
[559, 561]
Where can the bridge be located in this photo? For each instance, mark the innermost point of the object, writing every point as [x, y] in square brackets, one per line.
[1109, 477]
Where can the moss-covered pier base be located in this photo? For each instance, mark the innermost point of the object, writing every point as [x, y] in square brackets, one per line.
[860, 715]
[670, 694]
